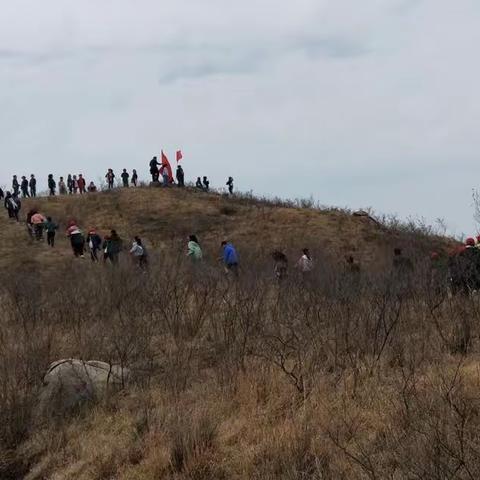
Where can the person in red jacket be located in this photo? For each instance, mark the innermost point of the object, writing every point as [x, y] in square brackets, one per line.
[81, 184]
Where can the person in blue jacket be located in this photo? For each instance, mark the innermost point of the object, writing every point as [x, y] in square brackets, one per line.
[230, 258]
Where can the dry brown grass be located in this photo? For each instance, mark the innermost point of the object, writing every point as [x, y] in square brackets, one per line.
[327, 379]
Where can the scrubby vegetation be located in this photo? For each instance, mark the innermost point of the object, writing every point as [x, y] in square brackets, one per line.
[338, 376]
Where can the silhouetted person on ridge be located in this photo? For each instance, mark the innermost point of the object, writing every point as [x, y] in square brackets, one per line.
[230, 185]
[198, 183]
[70, 184]
[180, 176]
[15, 186]
[24, 187]
[134, 179]
[33, 185]
[125, 177]
[62, 187]
[110, 176]
[81, 184]
[165, 175]
[51, 185]
[75, 184]
[154, 172]
[206, 184]
[92, 187]
[2, 195]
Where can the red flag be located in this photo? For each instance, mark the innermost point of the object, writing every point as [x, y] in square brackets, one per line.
[166, 164]
[179, 155]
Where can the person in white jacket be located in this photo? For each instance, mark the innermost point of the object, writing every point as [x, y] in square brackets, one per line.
[305, 263]
[139, 252]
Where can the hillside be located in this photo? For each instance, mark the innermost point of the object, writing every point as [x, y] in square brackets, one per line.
[164, 219]
[335, 375]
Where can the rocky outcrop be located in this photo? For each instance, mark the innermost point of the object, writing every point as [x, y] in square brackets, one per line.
[70, 383]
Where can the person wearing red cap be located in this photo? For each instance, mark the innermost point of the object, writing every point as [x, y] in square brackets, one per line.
[94, 241]
[77, 239]
[470, 242]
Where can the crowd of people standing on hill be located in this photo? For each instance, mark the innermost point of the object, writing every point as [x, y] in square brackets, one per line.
[76, 184]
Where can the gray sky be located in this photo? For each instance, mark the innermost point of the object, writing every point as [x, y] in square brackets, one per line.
[358, 103]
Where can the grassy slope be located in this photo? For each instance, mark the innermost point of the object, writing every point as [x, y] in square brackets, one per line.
[165, 218]
[260, 431]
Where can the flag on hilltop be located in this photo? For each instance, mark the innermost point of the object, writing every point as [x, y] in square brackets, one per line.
[166, 164]
[179, 155]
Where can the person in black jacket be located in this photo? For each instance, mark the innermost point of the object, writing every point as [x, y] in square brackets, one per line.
[24, 187]
[230, 185]
[13, 205]
[33, 185]
[125, 176]
[15, 186]
[180, 174]
[154, 172]
[52, 185]
[206, 184]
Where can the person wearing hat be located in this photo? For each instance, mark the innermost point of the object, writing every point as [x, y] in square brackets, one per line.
[94, 241]
[77, 240]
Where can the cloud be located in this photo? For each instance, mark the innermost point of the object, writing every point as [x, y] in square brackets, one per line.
[358, 103]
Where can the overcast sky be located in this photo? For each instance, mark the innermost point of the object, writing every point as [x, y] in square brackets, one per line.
[371, 103]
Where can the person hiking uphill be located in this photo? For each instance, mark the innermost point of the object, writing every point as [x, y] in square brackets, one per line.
[305, 263]
[194, 251]
[33, 186]
[13, 205]
[51, 229]
[280, 267]
[29, 223]
[94, 241]
[77, 239]
[125, 177]
[139, 252]
[112, 247]
[51, 185]
[24, 187]
[154, 172]
[38, 221]
[230, 258]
